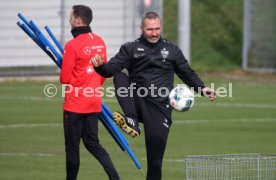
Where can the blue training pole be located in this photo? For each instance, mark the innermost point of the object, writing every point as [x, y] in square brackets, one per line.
[46, 43]
[127, 148]
[37, 41]
[106, 125]
[54, 39]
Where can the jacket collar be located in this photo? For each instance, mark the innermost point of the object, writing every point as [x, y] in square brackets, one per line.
[143, 40]
[80, 30]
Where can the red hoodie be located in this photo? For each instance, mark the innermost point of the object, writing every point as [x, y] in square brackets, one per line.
[82, 94]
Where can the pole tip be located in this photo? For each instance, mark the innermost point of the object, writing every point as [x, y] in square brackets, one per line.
[142, 171]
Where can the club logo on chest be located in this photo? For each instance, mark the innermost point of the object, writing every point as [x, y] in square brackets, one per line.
[164, 54]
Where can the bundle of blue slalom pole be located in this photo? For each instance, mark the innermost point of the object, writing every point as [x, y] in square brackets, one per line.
[106, 116]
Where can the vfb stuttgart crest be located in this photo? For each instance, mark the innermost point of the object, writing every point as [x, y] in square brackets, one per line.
[164, 53]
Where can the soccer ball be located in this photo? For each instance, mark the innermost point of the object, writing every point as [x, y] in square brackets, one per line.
[181, 98]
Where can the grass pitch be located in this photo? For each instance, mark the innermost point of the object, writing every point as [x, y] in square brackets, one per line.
[32, 143]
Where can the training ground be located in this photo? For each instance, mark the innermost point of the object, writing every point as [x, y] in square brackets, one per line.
[32, 143]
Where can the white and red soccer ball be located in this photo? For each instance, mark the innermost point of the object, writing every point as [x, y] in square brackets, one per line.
[181, 98]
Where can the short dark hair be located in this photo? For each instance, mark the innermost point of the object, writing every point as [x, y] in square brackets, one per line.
[84, 12]
[149, 15]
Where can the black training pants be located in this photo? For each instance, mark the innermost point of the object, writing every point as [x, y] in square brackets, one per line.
[84, 126]
[157, 120]
[156, 129]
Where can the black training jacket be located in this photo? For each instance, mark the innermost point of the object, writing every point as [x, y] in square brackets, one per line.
[152, 65]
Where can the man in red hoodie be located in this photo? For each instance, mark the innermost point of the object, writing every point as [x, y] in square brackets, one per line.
[82, 104]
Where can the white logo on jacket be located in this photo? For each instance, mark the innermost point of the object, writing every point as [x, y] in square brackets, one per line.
[140, 49]
[87, 50]
[89, 70]
[164, 53]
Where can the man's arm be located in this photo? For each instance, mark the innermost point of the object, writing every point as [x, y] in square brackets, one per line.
[190, 77]
[115, 64]
[68, 64]
[101, 67]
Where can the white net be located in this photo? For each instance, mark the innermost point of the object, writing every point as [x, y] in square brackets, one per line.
[259, 53]
[231, 167]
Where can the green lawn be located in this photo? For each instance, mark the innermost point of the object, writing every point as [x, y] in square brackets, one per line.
[32, 144]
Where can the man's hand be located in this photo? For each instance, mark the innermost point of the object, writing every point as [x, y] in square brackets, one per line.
[97, 60]
[208, 92]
